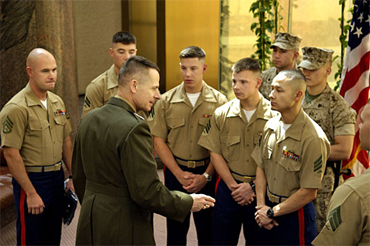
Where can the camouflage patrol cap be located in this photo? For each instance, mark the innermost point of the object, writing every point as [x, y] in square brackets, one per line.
[286, 41]
[314, 58]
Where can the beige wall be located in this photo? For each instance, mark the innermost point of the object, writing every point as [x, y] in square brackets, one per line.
[144, 27]
[192, 22]
[95, 23]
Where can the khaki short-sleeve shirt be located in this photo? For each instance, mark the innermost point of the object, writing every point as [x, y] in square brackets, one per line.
[175, 119]
[348, 222]
[36, 131]
[230, 135]
[100, 90]
[332, 113]
[294, 160]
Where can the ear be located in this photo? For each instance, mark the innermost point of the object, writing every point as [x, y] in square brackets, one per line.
[111, 52]
[29, 71]
[328, 71]
[298, 95]
[204, 68]
[133, 86]
[259, 82]
[296, 54]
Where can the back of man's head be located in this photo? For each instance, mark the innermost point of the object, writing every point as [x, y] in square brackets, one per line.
[136, 67]
[246, 64]
[295, 78]
[124, 38]
[193, 52]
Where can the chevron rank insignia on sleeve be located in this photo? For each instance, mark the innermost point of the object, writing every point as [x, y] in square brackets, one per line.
[7, 125]
[318, 165]
[334, 219]
[207, 128]
[87, 102]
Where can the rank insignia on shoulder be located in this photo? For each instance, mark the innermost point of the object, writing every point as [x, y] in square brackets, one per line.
[334, 219]
[139, 116]
[290, 154]
[317, 165]
[87, 103]
[7, 125]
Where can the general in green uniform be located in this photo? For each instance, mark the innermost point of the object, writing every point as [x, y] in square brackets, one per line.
[115, 172]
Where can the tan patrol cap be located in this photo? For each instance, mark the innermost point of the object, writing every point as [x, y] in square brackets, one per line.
[314, 58]
[286, 41]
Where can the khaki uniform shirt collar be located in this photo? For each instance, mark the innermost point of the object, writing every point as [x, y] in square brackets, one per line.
[295, 130]
[33, 100]
[206, 95]
[262, 111]
[112, 78]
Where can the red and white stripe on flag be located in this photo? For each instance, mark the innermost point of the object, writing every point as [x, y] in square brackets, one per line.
[355, 79]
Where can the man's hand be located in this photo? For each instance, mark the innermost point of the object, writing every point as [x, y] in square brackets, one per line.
[262, 219]
[70, 186]
[185, 178]
[201, 201]
[242, 193]
[35, 204]
[199, 181]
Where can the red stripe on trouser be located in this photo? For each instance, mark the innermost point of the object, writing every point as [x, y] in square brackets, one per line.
[22, 219]
[301, 226]
[217, 182]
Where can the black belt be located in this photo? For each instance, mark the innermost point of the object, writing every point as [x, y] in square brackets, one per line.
[40, 169]
[192, 163]
[242, 178]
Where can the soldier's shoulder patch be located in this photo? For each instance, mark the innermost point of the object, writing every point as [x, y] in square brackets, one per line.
[87, 102]
[334, 219]
[208, 127]
[7, 125]
[317, 167]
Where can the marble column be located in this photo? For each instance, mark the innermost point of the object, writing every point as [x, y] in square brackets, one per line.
[46, 24]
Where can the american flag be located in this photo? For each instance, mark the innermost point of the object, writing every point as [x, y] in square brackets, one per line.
[355, 79]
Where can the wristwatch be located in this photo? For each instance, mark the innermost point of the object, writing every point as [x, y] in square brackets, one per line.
[270, 213]
[208, 177]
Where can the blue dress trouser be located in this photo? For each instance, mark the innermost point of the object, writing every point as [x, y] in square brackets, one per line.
[229, 216]
[297, 228]
[177, 231]
[44, 228]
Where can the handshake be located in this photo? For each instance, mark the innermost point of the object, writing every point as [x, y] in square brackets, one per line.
[201, 201]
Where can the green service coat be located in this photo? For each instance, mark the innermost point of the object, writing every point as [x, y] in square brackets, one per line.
[116, 181]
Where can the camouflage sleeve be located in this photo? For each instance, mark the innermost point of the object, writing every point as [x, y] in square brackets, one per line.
[344, 119]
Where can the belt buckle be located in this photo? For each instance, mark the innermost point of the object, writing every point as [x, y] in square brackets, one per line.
[57, 167]
[246, 179]
[191, 164]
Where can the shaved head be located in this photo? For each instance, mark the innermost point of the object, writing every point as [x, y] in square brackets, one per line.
[294, 78]
[35, 54]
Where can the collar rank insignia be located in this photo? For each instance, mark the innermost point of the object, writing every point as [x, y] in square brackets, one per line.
[139, 116]
[290, 154]
[59, 112]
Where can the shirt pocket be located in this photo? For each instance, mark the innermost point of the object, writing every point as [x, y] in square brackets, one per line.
[230, 147]
[290, 165]
[60, 121]
[203, 122]
[38, 133]
[176, 129]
